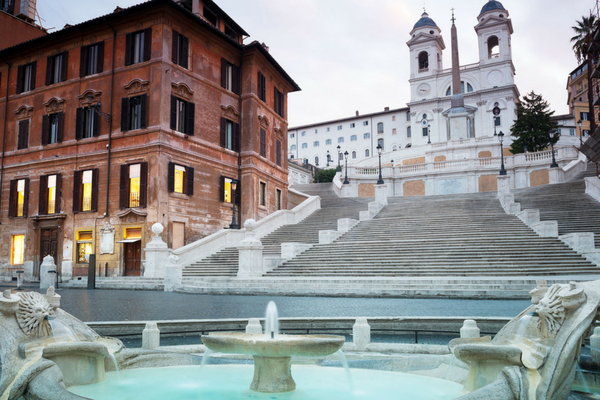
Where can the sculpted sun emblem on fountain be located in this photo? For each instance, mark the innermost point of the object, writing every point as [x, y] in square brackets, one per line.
[32, 314]
[552, 308]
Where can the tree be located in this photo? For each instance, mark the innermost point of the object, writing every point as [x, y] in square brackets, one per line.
[325, 175]
[533, 125]
[583, 34]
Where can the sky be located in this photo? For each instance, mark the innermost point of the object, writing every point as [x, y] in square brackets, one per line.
[351, 55]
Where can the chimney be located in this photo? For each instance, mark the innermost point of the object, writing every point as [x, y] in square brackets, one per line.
[386, 109]
[357, 113]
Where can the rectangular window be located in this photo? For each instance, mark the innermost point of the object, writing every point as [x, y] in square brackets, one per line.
[583, 115]
[277, 199]
[262, 87]
[263, 142]
[353, 138]
[365, 123]
[572, 131]
[393, 131]
[230, 134]
[49, 200]
[52, 128]
[133, 187]
[380, 127]
[303, 133]
[18, 202]
[327, 141]
[17, 249]
[278, 152]
[316, 131]
[180, 49]
[497, 121]
[56, 68]
[262, 191]
[339, 127]
[425, 131]
[279, 106]
[352, 125]
[305, 145]
[137, 46]
[183, 115]
[26, 77]
[23, 139]
[8, 6]
[87, 123]
[316, 144]
[91, 60]
[133, 112]
[393, 117]
[230, 76]
[408, 132]
[85, 190]
[366, 135]
[328, 128]
[84, 246]
[559, 131]
[341, 139]
[292, 135]
[180, 179]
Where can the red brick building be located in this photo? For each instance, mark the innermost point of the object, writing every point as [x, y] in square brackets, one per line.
[144, 115]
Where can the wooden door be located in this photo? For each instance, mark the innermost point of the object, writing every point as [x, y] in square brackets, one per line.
[133, 258]
[49, 244]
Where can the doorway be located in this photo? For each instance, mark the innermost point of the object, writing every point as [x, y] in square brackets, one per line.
[49, 243]
[133, 258]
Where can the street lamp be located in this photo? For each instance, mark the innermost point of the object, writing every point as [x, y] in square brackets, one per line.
[428, 134]
[317, 169]
[580, 136]
[379, 148]
[233, 185]
[552, 135]
[500, 139]
[339, 149]
[328, 158]
[346, 178]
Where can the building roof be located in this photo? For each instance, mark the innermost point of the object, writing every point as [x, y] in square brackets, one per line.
[424, 21]
[349, 118]
[491, 5]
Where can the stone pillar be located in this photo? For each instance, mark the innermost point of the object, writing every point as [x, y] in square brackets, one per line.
[555, 175]
[254, 326]
[381, 194]
[361, 333]
[150, 336]
[173, 274]
[47, 279]
[157, 253]
[250, 261]
[595, 344]
[291, 250]
[503, 182]
[469, 329]
[346, 190]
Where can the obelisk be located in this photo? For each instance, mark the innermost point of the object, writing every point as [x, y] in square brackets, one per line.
[458, 113]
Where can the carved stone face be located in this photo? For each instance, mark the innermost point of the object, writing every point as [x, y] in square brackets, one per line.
[32, 313]
[551, 311]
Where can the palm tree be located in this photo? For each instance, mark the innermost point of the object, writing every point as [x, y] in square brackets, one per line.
[584, 31]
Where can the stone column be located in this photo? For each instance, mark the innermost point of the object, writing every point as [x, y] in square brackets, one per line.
[381, 194]
[157, 253]
[469, 330]
[254, 326]
[47, 279]
[361, 333]
[503, 184]
[151, 336]
[250, 261]
[173, 274]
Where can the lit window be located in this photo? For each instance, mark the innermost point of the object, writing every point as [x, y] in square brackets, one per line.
[17, 249]
[226, 194]
[84, 246]
[179, 178]
[134, 185]
[86, 186]
[20, 197]
[51, 191]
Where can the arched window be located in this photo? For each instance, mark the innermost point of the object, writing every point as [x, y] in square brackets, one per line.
[462, 88]
[408, 115]
[316, 160]
[493, 47]
[380, 143]
[354, 154]
[423, 61]
[380, 127]
[367, 154]
[408, 132]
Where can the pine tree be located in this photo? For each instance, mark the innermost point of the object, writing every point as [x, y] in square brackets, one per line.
[532, 127]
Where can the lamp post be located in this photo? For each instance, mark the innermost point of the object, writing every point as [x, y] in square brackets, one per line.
[428, 134]
[346, 182]
[379, 148]
[233, 184]
[500, 139]
[328, 158]
[317, 170]
[580, 135]
[339, 167]
[495, 134]
[552, 136]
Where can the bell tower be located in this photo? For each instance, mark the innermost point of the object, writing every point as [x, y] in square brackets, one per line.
[426, 46]
[493, 31]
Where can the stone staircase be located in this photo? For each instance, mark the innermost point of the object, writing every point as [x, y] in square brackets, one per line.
[566, 203]
[225, 262]
[453, 235]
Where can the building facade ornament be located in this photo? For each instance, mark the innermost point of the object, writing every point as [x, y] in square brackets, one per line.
[481, 103]
[136, 86]
[89, 97]
[230, 112]
[24, 112]
[263, 121]
[54, 105]
[182, 90]
[107, 239]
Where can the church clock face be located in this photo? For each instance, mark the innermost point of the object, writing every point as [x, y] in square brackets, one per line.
[423, 89]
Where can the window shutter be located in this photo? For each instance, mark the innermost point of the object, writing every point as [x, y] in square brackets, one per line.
[96, 122]
[221, 189]
[128, 45]
[26, 198]
[124, 187]
[190, 114]
[223, 132]
[143, 184]
[95, 184]
[79, 123]
[77, 175]
[33, 71]
[236, 137]
[58, 193]
[263, 142]
[173, 112]
[185, 43]
[49, 69]
[45, 119]
[175, 47]
[147, 43]
[224, 72]
[171, 177]
[124, 114]
[237, 84]
[60, 124]
[23, 140]
[83, 60]
[100, 60]
[20, 77]
[144, 108]
[65, 61]
[278, 152]
[12, 201]
[43, 196]
[189, 171]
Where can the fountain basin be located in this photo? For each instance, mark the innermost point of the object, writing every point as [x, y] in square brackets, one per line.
[81, 363]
